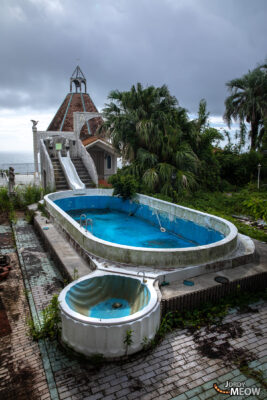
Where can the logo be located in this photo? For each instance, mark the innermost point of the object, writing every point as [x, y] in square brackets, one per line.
[237, 389]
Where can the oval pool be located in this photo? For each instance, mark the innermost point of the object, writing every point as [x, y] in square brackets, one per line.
[98, 310]
[147, 231]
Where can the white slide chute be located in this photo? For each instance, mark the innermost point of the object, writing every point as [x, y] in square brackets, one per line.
[70, 172]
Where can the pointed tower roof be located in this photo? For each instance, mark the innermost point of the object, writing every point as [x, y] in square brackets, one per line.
[78, 101]
[78, 78]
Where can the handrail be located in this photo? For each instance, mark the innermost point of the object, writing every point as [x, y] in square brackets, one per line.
[82, 215]
[88, 162]
[86, 221]
[46, 162]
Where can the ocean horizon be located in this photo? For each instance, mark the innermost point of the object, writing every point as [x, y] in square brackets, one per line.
[22, 162]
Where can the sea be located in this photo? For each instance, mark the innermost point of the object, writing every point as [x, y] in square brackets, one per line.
[22, 162]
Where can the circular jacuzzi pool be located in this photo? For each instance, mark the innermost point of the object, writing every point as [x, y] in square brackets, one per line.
[106, 297]
[99, 309]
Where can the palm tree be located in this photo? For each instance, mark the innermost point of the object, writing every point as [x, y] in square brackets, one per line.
[152, 132]
[247, 102]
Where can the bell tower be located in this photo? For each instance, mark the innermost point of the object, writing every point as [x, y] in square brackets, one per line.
[78, 79]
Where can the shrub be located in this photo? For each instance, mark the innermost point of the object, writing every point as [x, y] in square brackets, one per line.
[27, 195]
[50, 326]
[256, 207]
[5, 203]
[124, 185]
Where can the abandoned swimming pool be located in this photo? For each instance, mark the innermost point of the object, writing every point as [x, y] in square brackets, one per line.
[97, 310]
[191, 237]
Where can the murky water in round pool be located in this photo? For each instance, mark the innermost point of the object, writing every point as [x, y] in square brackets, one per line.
[109, 296]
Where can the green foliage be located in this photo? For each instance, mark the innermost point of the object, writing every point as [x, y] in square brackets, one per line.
[239, 168]
[24, 196]
[128, 337]
[27, 195]
[257, 207]
[167, 153]
[152, 132]
[29, 216]
[124, 185]
[247, 103]
[41, 207]
[5, 203]
[75, 275]
[128, 340]
[224, 205]
[50, 325]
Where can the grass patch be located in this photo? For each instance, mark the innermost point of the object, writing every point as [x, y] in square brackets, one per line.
[247, 201]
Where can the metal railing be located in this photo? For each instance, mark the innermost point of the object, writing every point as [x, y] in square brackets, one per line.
[88, 221]
[20, 168]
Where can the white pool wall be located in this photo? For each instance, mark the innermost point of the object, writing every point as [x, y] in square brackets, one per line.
[91, 336]
[156, 257]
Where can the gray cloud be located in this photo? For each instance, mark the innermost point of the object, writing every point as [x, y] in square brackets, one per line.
[194, 46]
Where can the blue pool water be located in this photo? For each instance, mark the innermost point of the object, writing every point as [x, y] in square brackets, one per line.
[131, 224]
[105, 309]
[119, 227]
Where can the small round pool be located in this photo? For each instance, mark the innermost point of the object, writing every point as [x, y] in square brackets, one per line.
[110, 296]
[99, 309]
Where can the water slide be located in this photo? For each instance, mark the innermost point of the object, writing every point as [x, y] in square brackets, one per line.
[70, 172]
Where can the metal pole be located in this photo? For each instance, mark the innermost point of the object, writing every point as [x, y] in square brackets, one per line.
[259, 169]
[35, 151]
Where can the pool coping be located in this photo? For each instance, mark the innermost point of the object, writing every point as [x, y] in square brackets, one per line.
[153, 302]
[158, 257]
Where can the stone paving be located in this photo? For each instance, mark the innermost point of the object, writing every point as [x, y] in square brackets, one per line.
[184, 366]
[21, 371]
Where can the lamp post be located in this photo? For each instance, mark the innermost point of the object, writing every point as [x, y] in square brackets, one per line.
[259, 170]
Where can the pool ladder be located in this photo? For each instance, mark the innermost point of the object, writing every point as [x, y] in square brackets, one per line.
[88, 221]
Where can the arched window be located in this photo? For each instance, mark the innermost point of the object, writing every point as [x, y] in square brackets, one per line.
[108, 162]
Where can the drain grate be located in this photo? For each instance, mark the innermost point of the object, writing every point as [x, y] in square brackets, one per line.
[221, 279]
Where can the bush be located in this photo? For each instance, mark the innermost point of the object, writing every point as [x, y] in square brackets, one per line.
[27, 195]
[5, 203]
[124, 185]
[239, 169]
[256, 207]
[50, 325]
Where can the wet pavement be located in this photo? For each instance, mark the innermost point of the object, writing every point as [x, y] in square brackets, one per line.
[183, 366]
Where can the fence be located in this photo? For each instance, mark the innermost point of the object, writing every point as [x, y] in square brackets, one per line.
[20, 168]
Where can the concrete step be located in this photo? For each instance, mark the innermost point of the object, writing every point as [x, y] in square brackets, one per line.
[61, 181]
[60, 188]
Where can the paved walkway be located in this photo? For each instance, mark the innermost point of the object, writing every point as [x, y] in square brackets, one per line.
[182, 367]
[22, 376]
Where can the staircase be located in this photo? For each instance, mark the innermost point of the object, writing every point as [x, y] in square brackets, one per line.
[82, 172]
[60, 180]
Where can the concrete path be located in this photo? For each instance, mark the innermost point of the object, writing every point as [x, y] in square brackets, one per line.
[184, 366]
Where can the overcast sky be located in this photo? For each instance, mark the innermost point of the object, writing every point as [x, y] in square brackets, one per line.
[193, 46]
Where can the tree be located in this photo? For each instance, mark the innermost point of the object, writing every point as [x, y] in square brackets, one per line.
[152, 133]
[248, 103]
[203, 139]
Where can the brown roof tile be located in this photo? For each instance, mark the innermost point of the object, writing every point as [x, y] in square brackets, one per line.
[63, 120]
